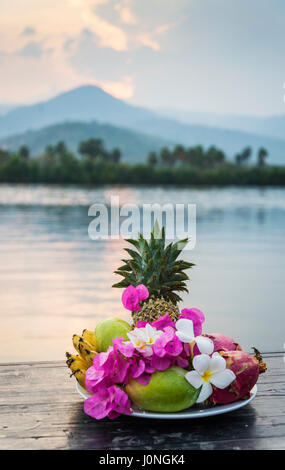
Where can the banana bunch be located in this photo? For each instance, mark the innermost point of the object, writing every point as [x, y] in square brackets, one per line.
[86, 349]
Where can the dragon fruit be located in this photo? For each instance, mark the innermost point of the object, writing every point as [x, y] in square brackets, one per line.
[246, 369]
[223, 343]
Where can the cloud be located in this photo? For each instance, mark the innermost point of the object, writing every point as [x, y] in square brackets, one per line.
[31, 49]
[126, 14]
[28, 31]
[108, 34]
[146, 40]
[123, 89]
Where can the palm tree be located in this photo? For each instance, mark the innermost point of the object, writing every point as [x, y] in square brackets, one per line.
[152, 159]
[261, 156]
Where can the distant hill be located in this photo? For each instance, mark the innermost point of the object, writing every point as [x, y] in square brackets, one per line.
[5, 108]
[90, 103]
[271, 126]
[134, 146]
[86, 103]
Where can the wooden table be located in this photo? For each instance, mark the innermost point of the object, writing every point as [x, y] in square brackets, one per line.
[40, 409]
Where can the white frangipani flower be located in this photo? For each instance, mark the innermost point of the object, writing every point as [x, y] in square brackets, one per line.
[185, 332]
[209, 370]
[144, 338]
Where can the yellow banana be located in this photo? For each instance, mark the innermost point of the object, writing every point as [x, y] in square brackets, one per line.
[78, 368]
[90, 338]
[84, 349]
[80, 362]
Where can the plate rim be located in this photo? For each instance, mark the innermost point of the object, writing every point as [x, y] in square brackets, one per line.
[189, 413]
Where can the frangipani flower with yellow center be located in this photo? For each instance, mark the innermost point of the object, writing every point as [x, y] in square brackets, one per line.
[209, 371]
[185, 332]
[144, 338]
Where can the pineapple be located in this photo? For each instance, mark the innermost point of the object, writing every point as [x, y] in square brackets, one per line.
[156, 266]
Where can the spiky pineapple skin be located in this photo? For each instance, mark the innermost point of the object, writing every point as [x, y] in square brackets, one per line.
[154, 309]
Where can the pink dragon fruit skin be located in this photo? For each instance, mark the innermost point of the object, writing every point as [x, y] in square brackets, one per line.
[223, 343]
[246, 369]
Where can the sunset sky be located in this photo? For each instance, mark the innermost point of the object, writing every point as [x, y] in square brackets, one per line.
[205, 55]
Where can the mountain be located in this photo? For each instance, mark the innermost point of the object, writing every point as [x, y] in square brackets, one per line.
[5, 108]
[86, 103]
[90, 103]
[134, 146]
[271, 126]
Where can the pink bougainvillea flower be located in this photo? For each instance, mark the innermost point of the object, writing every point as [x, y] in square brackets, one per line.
[181, 362]
[137, 368]
[130, 299]
[160, 363]
[111, 402]
[124, 347]
[99, 373]
[142, 291]
[159, 348]
[163, 322]
[168, 344]
[174, 347]
[144, 379]
[93, 378]
[196, 316]
[141, 324]
[132, 296]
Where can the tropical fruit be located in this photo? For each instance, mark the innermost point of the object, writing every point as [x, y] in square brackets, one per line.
[109, 329]
[78, 364]
[155, 308]
[78, 367]
[246, 369]
[84, 349]
[223, 343]
[156, 266]
[167, 391]
[90, 338]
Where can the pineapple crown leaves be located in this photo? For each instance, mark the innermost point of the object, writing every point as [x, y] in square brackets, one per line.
[156, 266]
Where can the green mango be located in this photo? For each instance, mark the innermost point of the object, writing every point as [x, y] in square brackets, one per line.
[167, 391]
[109, 329]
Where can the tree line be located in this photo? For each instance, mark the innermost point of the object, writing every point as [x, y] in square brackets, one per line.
[181, 166]
[198, 157]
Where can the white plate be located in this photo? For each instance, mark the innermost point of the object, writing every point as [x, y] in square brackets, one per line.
[185, 414]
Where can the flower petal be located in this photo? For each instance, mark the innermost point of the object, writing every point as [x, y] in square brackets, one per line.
[133, 337]
[223, 378]
[201, 363]
[194, 379]
[163, 322]
[142, 291]
[196, 316]
[217, 363]
[184, 338]
[205, 393]
[130, 299]
[205, 345]
[185, 326]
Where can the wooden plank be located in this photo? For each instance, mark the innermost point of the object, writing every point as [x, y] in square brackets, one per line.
[40, 409]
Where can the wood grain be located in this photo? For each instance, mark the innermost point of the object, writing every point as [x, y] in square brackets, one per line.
[40, 409]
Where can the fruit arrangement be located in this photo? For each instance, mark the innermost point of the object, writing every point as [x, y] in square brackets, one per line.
[161, 362]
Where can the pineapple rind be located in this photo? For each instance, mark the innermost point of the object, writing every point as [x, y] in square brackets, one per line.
[154, 309]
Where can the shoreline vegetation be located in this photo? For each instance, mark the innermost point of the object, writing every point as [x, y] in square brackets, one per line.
[178, 166]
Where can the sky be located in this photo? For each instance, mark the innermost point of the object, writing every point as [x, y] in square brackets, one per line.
[224, 56]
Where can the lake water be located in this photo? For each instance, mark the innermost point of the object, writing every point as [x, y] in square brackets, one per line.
[56, 281]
